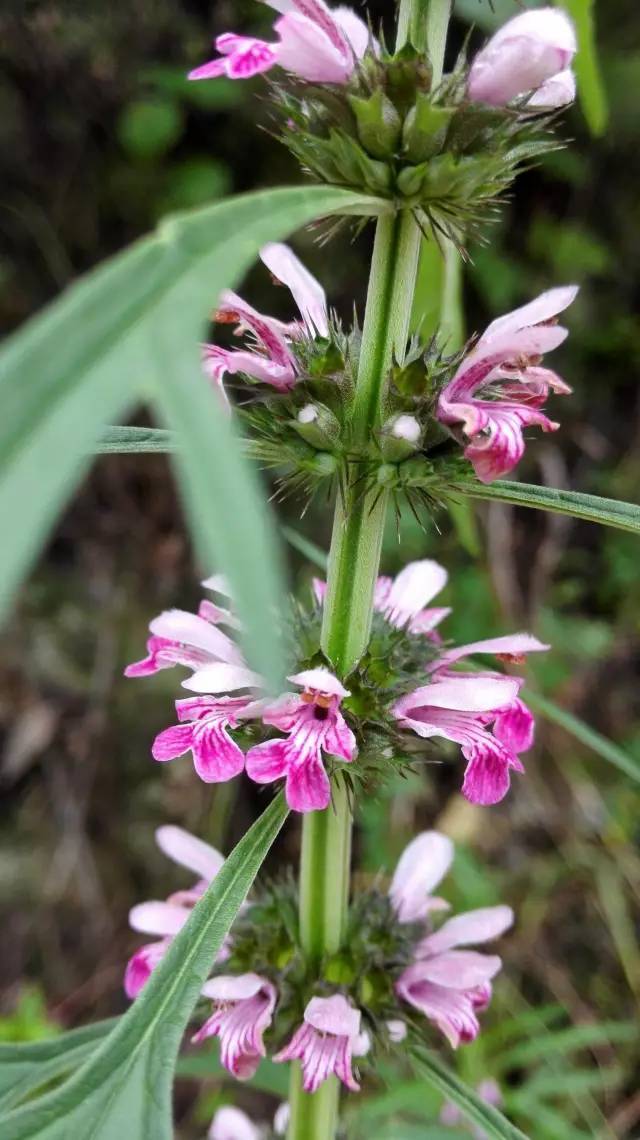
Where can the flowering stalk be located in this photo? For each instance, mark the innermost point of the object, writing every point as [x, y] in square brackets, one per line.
[354, 562]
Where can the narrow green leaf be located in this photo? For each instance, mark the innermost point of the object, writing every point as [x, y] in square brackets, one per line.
[473, 1108]
[26, 1067]
[549, 1124]
[561, 1042]
[608, 512]
[572, 1082]
[123, 440]
[591, 91]
[582, 732]
[124, 1089]
[306, 547]
[93, 354]
[230, 520]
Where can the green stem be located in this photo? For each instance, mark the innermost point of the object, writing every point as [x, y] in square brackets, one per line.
[388, 312]
[424, 23]
[438, 18]
[354, 562]
[324, 875]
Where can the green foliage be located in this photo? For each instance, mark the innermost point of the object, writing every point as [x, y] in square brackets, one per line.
[473, 1108]
[124, 1088]
[591, 91]
[149, 127]
[25, 1069]
[29, 1021]
[608, 512]
[96, 351]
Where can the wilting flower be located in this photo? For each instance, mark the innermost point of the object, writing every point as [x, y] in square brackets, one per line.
[269, 357]
[325, 1042]
[231, 1123]
[500, 386]
[314, 43]
[450, 986]
[488, 1091]
[314, 724]
[167, 918]
[530, 53]
[242, 1010]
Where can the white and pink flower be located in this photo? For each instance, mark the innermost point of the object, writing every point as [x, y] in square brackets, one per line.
[532, 53]
[403, 600]
[269, 357]
[166, 919]
[312, 719]
[243, 1008]
[314, 725]
[315, 43]
[500, 387]
[450, 986]
[325, 1043]
[481, 711]
[422, 865]
[230, 1123]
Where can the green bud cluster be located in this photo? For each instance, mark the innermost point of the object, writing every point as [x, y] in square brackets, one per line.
[391, 132]
[377, 948]
[306, 435]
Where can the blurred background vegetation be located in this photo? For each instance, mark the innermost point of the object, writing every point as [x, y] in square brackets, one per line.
[101, 136]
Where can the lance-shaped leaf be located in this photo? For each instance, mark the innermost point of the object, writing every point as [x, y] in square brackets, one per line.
[124, 1089]
[592, 508]
[591, 93]
[94, 353]
[28, 1066]
[128, 440]
[494, 1124]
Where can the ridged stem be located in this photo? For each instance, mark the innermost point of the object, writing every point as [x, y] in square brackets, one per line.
[354, 562]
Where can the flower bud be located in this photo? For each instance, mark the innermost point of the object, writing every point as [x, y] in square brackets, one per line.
[379, 124]
[400, 437]
[523, 55]
[324, 464]
[425, 128]
[318, 426]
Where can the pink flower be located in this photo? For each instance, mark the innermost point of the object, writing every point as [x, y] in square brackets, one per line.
[324, 1043]
[242, 1011]
[314, 724]
[167, 918]
[464, 707]
[488, 1091]
[530, 53]
[451, 986]
[500, 386]
[270, 358]
[315, 44]
[193, 640]
[231, 1123]
[422, 865]
[402, 600]
[216, 756]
